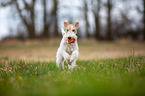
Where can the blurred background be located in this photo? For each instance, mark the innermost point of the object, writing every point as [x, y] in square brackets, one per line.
[31, 29]
[99, 19]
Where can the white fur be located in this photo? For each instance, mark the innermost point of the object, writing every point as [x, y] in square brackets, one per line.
[67, 52]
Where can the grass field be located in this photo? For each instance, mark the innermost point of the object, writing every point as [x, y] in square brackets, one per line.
[123, 76]
[103, 69]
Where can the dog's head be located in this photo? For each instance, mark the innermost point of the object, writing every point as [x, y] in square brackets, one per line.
[71, 30]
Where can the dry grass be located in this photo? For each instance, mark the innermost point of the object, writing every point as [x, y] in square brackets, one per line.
[45, 50]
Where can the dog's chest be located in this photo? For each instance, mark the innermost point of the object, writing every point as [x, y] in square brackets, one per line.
[70, 49]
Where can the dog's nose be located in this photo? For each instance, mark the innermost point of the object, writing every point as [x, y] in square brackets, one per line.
[69, 37]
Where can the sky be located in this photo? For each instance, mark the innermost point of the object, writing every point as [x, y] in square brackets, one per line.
[3, 23]
[7, 21]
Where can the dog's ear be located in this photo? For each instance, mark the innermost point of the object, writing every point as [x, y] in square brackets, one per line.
[66, 23]
[77, 24]
[62, 31]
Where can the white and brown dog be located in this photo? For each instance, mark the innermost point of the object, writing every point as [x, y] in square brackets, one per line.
[67, 51]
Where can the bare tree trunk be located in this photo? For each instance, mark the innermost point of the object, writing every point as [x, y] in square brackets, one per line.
[96, 12]
[54, 14]
[32, 29]
[109, 25]
[45, 32]
[86, 18]
[144, 19]
[97, 19]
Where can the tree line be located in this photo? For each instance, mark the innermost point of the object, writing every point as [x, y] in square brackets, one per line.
[113, 29]
[29, 19]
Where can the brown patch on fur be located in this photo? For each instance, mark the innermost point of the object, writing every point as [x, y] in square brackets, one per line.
[71, 27]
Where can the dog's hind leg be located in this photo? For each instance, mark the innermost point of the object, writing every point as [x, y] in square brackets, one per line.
[59, 60]
[62, 64]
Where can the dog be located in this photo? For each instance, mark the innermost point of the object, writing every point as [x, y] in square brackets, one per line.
[67, 51]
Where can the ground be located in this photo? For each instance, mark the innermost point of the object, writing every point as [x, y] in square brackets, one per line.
[104, 68]
[89, 49]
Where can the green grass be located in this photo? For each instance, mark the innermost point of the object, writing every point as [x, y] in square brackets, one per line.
[122, 76]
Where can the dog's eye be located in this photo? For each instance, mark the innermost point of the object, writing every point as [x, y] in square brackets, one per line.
[73, 30]
[67, 29]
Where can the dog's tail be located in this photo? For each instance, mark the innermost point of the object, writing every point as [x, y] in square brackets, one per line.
[62, 31]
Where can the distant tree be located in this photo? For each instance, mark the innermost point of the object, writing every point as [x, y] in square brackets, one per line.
[45, 33]
[120, 27]
[30, 25]
[97, 19]
[144, 19]
[86, 18]
[109, 23]
[54, 15]
[96, 12]
[29, 20]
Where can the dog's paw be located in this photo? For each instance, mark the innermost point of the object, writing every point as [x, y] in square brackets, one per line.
[68, 62]
[67, 57]
[71, 60]
[71, 66]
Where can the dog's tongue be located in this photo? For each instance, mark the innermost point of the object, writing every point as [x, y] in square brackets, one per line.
[72, 40]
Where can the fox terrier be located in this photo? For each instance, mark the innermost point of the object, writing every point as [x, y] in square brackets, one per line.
[68, 50]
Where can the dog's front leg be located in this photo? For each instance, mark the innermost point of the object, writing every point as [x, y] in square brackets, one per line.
[65, 55]
[73, 65]
[74, 55]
